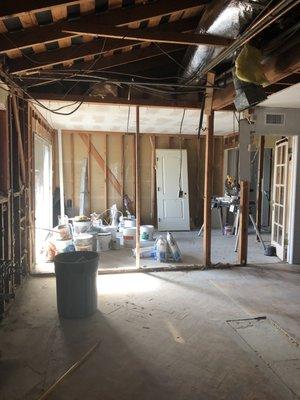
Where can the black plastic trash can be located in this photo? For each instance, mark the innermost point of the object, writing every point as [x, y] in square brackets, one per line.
[76, 283]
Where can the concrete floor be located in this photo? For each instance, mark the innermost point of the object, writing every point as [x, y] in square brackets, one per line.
[163, 336]
[190, 245]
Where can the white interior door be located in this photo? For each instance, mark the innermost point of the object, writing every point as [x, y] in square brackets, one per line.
[43, 191]
[279, 198]
[171, 173]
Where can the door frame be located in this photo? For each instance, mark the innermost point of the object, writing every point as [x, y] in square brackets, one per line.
[37, 136]
[276, 206]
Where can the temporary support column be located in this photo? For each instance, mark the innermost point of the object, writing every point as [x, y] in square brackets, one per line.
[209, 156]
[137, 187]
[244, 175]
[260, 181]
[209, 142]
[61, 176]
[244, 213]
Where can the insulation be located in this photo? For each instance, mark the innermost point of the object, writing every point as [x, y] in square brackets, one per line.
[228, 19]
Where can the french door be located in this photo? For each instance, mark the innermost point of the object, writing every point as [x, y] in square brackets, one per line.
[279, 198]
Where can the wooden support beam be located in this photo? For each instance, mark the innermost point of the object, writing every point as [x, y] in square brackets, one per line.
[158, 36]
[137, 14]
[260, 175]
[243, 225]
[12, 8]
[90, 172]
[152, 139]
[126, 58]
[137, 187]
[31, 36]
[106, 180]
[209, 142]
[208, 172]
[101, 162]
[152, 101]
[97, 47]
[20, 141]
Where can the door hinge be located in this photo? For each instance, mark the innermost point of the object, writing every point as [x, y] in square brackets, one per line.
[158, 189]
[158, 219]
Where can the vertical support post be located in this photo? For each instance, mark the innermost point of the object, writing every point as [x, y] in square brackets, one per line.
[90, 172]
[61, 174]
[153, 179]
[244, 214]
[259, 182]
[106, 172]
[137, 187]
[73, 168]
[20, 141]
[208, 190]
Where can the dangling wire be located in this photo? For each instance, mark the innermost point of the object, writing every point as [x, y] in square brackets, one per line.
[180, 162]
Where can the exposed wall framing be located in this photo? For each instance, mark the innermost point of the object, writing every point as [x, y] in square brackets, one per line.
[17, 124]
[112, 163]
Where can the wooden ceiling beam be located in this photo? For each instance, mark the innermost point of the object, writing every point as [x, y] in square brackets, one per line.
[158, 36]
[143, 12]
[150, 101]
[116, 17]
[58, 56]
[31, 36]
[125, 58]
[11, 8]
[276, 68]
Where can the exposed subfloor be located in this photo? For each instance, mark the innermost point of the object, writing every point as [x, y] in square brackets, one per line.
[191, 246]
[162, 336]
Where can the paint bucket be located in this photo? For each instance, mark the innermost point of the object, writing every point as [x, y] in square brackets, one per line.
[103, 241]
[228, 230]
[111, 229]
[81, 226]
[129, 223]
[129, 236]
[64, 246]
[146, 232]
[84, 242]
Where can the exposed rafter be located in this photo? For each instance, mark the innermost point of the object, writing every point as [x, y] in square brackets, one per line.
[158, 36]
[96, 47]
[11, 8]
[116, 17]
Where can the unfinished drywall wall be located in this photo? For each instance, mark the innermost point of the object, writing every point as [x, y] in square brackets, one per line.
[111, 169]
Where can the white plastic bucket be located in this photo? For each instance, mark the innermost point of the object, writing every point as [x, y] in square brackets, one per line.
[61, 245]
[83, 242]
[81, 226]
[129, 223]
[111, 229]
[103, 241]
[129, 237]
[146, 232]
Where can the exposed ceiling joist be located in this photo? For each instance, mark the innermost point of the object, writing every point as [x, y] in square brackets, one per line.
[58, 56]
[139, 13]
[11, 8]
[116, 17]
[150, 101]
[158, 36]
[31, 36]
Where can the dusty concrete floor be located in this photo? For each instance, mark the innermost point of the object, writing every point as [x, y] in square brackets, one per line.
[191, 246]
[163, 336]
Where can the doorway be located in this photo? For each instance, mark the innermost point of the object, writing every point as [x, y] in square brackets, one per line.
[43, 192]
[279, 201]
[172, 190]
